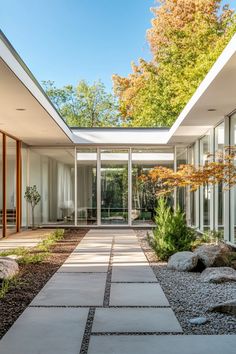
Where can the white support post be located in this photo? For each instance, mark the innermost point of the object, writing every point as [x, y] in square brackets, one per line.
[175, 169]
[98, 187]
[76, 181]
[130, 187]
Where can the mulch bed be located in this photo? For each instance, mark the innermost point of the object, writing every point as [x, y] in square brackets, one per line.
[33, 277]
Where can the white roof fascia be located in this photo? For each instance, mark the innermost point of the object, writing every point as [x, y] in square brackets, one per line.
[15, 66]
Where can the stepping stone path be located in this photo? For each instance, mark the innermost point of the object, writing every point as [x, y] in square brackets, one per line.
[105, 299]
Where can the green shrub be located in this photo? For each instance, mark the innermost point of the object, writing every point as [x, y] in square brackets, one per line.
[171, 233]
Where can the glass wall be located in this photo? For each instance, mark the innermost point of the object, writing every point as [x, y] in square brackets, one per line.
[11, 195]
[86, 186]
[114, 186]
[181, 159]
[1, 185]
[192, 195]
[219, 194]
[52, 171]
[232, 227]
[205, 191]
[144, 195]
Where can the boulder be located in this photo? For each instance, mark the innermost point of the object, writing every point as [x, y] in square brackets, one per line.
[8, 268]
[183, 261]
[228, 307]
[213, 255]
[218, 275]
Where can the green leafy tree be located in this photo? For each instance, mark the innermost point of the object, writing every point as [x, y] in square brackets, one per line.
[185, 39]
[33, 197]
[85, 105]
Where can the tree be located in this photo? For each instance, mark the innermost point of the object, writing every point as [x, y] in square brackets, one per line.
[219, 168]
[85, 105]
[185, 39]
[33, 197]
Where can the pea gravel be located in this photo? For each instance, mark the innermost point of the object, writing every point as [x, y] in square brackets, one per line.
[190, 298]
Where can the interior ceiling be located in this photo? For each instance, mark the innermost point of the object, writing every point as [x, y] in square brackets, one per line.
[219, 95]
[34, 125]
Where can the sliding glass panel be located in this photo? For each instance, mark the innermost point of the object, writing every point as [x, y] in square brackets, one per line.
[219, 197]
[52, 171]
[205, 191]
[1, 185]
[86, 186]
[192, 195]
[24, 206]
[232, 236]
[114, 186]
[144, 195]
[181, 159]
[11, 184]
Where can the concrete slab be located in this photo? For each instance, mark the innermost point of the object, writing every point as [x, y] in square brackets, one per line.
[46, 330]
[72, 289]
[134, 320]
[127, 257]
[136, 272]
[137, 295]
[163, 344]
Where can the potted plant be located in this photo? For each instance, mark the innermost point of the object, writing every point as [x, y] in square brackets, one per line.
[33, 197]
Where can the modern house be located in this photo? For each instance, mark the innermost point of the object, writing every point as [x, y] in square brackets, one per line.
[89, 177]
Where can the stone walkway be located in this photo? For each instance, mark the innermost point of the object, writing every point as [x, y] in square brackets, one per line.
[105, 299]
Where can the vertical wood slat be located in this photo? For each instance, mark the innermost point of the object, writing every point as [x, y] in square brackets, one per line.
[18, 186]
[4, 187]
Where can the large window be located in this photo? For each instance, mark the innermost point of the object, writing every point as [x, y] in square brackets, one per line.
[52, 171]
[205, 191]
[181, 159]
[114, 186]
[11, 196]
[1, 186]
[144, 196]
[219, 194]
[232, 236]
[86, 186]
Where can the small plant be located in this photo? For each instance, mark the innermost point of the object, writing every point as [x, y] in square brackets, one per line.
[33, 197]
[171, 233]
[6, 286]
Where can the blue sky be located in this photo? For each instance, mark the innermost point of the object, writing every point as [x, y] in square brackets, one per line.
[69, 40]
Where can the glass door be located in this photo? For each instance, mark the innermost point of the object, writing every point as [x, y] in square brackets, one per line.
[114, 186]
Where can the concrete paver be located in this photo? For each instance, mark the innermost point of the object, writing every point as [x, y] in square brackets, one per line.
[134, 320]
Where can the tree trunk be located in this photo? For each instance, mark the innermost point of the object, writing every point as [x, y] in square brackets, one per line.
[33, 226]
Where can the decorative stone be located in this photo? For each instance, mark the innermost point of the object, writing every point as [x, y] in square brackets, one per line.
[213, 255]
[198, 320]
[218, 275]
[228, 307]
[183, 261]
[8, 268]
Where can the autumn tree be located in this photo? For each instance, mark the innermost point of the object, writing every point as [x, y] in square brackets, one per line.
[185, 39]
[84, 105]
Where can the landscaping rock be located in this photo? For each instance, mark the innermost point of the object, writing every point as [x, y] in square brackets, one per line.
[218, 275]
[228, 307]
[213, 255]
[8, 268]
[183, 261]
[198, 320]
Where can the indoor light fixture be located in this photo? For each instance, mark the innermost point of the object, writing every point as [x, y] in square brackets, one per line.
[20, 109]
[211, 110]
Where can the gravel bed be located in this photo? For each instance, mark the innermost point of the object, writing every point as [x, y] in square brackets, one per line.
[190, 298]
[33, 277]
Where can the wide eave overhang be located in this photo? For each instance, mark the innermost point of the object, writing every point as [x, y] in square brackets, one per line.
[217, 91]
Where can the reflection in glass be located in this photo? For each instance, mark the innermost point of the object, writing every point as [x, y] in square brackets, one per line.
[144, 195]
[114, 186]
[1, 186]
[233, 190]
[219, 199]
[52, 171]
[181, 159]
[11, 184]
[86, 186]
[205, 190]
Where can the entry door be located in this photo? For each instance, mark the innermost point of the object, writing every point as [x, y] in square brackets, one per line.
[114, 187]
